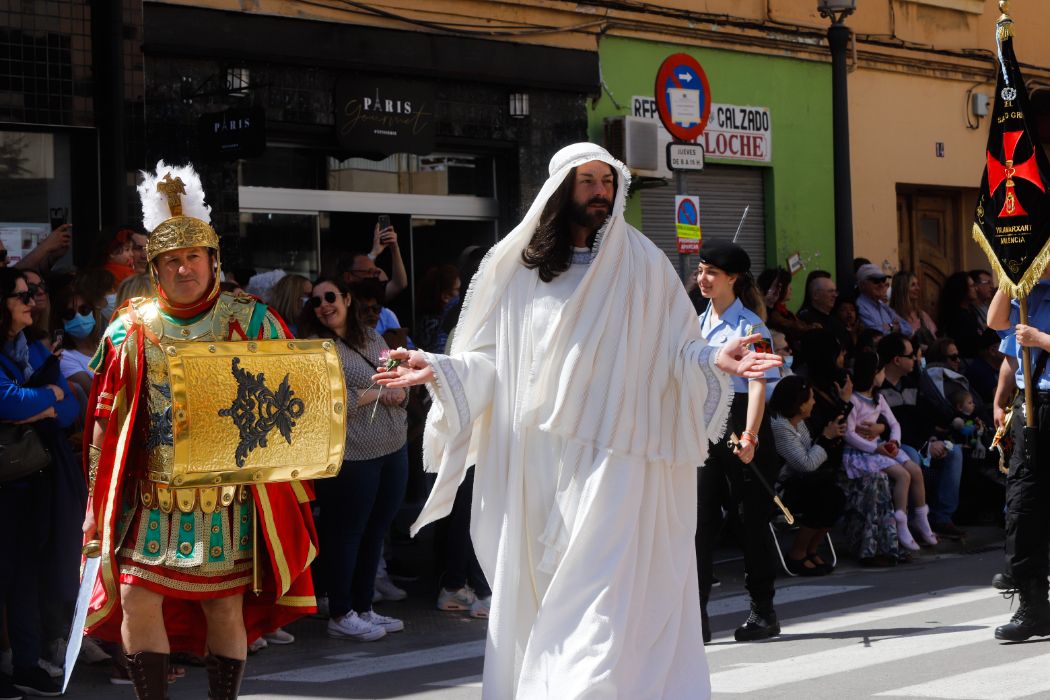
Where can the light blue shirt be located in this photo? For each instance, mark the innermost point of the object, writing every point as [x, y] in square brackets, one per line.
[1038, 317]
[388, 320]
[737, 321]
[880, 316]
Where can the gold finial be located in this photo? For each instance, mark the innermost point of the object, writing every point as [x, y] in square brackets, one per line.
[1004, 6]
[173, 189]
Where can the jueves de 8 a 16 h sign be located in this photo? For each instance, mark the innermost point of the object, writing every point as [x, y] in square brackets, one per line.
[375, 117]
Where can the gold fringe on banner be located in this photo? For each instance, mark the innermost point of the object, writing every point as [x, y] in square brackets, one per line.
[1031, 276]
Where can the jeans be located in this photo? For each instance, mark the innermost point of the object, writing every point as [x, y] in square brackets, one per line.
[943, 477]
[461, 564]
[357, 508]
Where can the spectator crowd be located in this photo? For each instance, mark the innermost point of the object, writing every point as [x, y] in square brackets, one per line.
[881, 418]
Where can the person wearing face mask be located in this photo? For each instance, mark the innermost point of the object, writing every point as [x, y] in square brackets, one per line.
[82, 330]
[782, 348]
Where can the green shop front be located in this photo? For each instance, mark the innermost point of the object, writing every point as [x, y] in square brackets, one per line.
[768, 147]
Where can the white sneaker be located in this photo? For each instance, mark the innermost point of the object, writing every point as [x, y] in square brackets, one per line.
[480, 608]
[353, 626]
[386, 590]
[91, 652]
[452, 601]
[258, 645]
[53, 670]
[390, 624]
[279, 636]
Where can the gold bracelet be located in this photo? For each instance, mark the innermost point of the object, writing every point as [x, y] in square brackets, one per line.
[94, 455]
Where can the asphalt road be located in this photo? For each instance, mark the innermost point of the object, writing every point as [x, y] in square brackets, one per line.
[923, 630]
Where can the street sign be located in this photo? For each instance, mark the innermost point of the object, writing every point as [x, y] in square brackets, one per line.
[687, 223]
[683, 96]
[685, 156]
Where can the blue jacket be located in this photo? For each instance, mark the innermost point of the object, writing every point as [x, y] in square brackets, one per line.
[18, 402]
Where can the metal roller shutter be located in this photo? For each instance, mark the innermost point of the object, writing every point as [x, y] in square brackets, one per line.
[724, 191]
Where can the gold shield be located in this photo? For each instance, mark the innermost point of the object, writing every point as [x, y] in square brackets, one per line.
[254, 412]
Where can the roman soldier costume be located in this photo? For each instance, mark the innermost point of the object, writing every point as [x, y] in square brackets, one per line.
[187, 543]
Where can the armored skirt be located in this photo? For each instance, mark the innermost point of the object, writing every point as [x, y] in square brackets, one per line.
[204, 551]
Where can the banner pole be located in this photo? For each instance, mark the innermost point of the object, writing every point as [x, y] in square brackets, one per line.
[1026, 366]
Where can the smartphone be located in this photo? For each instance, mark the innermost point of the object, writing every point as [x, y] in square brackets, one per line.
[384, 222]
[57, 336]
[58, 216]
[846, 411]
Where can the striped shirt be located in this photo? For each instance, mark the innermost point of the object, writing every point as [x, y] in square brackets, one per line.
[801, 455]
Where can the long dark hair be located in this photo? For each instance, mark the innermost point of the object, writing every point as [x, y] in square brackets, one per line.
[9, 277]
[309, 326]
[954, 293]
[745, 289]
[550, 250]
[771, 275]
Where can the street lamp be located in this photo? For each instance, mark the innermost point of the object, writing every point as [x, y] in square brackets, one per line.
[838, 41]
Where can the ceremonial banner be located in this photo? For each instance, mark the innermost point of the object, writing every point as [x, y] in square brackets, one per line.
[1012, 219]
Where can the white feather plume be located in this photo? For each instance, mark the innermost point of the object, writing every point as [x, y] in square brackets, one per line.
[155, 204]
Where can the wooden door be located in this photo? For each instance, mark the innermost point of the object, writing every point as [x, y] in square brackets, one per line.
[930, 239]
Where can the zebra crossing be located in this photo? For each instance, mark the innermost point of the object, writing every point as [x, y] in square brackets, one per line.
[858, 636]
[937, 644]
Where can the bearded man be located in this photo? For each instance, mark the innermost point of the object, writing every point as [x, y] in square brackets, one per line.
[177, 562]
[579, 385]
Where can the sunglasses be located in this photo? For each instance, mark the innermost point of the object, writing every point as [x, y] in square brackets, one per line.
[83, 310]
[24, 297]
[371, 308]
[953, 358]
[912, 356]
[37, 288]
[316, 301]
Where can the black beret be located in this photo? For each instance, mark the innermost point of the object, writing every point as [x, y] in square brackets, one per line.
[726, 256]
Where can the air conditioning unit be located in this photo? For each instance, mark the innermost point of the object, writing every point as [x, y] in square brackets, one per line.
[638, 143]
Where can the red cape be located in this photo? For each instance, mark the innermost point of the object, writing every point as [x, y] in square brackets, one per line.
[285, 520]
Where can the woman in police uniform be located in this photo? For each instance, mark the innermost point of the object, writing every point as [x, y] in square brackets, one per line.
[725, 480]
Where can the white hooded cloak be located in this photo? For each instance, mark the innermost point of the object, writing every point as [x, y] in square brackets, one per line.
[587, 404]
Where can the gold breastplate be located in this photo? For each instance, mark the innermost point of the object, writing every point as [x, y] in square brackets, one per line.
[212, 326]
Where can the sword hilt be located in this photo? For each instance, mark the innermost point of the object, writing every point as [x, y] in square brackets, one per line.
[92, 549]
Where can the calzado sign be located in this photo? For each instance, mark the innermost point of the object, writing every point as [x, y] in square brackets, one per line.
[733, 132]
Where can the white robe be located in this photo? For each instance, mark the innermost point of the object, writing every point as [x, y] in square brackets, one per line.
[589, 552]
[586, 404]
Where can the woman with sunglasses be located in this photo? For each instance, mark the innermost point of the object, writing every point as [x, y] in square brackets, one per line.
[26, 504]
[359, 505]
[82, 327]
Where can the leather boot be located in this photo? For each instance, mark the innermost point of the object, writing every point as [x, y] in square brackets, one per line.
[224, 677]
[762, 623]
[1032, 618]
[148, 671]
[1003, 582]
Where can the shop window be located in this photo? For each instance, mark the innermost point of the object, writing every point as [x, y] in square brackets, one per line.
[34, 188]
[438, 174]
[275, 241]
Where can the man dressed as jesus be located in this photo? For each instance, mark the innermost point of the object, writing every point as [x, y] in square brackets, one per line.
[579, 385]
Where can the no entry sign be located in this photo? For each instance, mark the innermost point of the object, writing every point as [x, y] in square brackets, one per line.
[683, 96]
[687, 223]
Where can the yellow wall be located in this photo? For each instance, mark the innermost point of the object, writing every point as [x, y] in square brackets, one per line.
[912, 63]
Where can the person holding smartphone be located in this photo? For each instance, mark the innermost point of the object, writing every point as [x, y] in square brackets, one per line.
[725, 482]
[811, 463]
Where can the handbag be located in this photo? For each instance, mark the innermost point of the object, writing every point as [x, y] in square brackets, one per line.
[21, 451]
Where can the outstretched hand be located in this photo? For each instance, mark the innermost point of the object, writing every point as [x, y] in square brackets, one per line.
[412, 370]
[737, 357]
